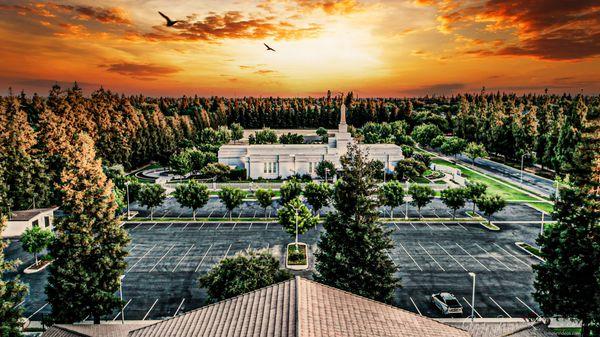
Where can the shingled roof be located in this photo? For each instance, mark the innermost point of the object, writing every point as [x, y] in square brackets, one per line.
[29, 214]
[301, 308]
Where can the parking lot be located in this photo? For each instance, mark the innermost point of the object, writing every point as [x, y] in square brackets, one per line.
[166, 259]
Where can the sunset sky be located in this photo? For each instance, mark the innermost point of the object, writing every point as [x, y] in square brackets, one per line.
[374, 48]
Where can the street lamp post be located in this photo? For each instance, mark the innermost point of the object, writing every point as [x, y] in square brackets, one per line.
[406, 204]
[473, 297]
[542, 226]
[127, 188]
[121, 296]
[296, 210]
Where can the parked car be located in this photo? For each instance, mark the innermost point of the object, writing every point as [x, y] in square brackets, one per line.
[447, 303]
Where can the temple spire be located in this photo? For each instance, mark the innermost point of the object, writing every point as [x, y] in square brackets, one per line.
[343, 114]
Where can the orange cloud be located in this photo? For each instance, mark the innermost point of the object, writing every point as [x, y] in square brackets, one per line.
[80, 12]
[545, 29]
[331, 6]
[140, 70]
[233, 25]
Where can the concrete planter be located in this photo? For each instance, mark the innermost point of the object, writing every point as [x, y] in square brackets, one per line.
[33, 269]
[294, 264]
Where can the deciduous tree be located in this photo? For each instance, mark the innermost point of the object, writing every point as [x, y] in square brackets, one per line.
[35, 239]
[231, 197]
[391, 194]
[474, 151]
[454, 198]
[290, 190]
[295, 211]
[192, 194]
[151, 196]
[242, 273]
[421, 196]
[490, 204]
[318, 195]
[265, 198]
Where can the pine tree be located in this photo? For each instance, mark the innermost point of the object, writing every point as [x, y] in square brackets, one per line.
[566, 282]
[12, 292]
[570, 135]
[353, 249]
[25, 172]
[89, 249]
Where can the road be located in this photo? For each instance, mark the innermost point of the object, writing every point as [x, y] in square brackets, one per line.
[542, 186]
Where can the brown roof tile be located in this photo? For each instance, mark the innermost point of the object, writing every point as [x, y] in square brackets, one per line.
[300, 308]
[28, 214]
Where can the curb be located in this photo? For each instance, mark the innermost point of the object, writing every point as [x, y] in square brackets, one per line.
[528, 252]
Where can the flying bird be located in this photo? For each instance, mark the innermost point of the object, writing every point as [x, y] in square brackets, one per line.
[268, 48]
[170, 23]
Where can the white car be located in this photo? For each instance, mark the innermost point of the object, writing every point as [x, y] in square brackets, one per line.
[447, 303]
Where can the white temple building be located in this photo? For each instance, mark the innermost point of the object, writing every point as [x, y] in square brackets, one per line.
[270, 161]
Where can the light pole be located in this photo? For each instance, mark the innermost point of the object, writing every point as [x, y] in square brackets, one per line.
[542, 226]
[406, 204]
[121, 296]
[296, 211]
[127, 188]
[473, 297]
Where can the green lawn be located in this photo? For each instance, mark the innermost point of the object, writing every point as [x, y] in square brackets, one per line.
[547, 207]
[506, 191]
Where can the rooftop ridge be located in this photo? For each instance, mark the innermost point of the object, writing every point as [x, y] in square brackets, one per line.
[214, 304]
[377, 302]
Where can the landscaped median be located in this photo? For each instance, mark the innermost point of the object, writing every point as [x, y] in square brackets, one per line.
[489, 226]
[477, 219]
[530, 249]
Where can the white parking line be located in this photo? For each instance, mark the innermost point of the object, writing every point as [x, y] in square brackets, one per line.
[184, 227]
[250, 226]
[395, 224]
[434, 260]
[463, 227]
[199, 264]
[528, 307]
[473, 257]
[498, 305]
[121, 311]
[469, 304]
[455, 260]
[210, 214]
[169, 226]
[138, 225]
[443, 224]
[227, 252]
[240, 215]
[249, 246]
[413, 302]
[202, 225]
[183, 257]
[232, 228]
[218, 225]
[162, 257]
[225, 215]
[140, 259]
[254, 216]
[18, 305]
[266, 226]
[180, 215]
[493, 257]
[179, 307]
[40, 309]
[152, 307]
[149, 228]
[269, 216]
[429, 226]
[514, 257]
[413, 260]
[413, 226]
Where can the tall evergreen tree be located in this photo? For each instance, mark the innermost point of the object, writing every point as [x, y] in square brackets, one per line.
[89, 249]
[12, 292]
[567, 282]
[570, 135]
[353, 249]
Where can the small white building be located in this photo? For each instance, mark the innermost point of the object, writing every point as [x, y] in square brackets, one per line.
[19, 221]
[270, 161]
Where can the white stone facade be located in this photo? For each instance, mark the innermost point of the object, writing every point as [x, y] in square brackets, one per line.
[271, 161]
